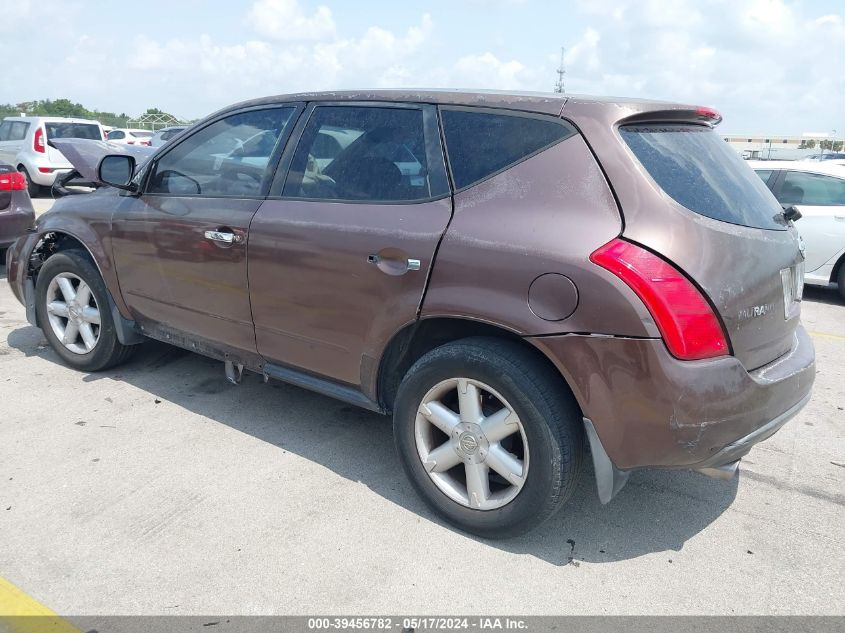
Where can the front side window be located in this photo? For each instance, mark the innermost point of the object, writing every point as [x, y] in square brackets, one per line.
[812, 189]
[5, 127]
[482, 143]
[363, 154]
[230, 157]
[116, 135]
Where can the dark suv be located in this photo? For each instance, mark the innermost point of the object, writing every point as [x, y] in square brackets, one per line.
[514, 277]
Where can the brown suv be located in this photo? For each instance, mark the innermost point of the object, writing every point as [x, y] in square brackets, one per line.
[514, 277]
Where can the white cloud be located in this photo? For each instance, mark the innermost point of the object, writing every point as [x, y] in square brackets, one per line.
[756, 60]
[286, 20]
[488, 71]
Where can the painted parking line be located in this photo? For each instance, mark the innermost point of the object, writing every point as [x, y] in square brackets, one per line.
[20, 613]
[835, 337]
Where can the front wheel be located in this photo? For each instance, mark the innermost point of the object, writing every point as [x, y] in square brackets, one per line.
[489, 435]
[72, 305]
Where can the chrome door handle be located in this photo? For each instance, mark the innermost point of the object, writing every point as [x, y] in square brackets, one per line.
[222, 237]
[393, 265]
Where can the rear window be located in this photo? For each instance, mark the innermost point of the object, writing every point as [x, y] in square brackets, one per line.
[700, 171]
[73, 130]
[482, 143]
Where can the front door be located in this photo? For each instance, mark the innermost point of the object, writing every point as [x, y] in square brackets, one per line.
[821, 200]
[339, 260]
[180, 248]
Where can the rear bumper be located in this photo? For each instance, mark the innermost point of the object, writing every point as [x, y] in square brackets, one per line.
[740, 448]
[652, 410]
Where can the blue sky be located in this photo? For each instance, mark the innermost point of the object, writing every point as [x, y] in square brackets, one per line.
[770, 66]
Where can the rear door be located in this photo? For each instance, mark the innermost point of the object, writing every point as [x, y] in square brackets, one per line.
[340, 255]
[821, 200]
[180, 248]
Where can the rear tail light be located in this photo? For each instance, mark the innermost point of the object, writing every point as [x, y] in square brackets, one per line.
[12, 181]
[685, 319]
[38, 141]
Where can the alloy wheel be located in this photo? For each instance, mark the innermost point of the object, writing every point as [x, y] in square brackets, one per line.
[472, 444]
[73, 313]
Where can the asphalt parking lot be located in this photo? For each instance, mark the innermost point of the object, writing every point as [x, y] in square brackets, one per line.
[160, 488]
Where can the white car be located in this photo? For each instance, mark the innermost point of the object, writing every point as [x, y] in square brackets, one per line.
[163, 135]
[817, 190]
[127, 136]
[25, 144]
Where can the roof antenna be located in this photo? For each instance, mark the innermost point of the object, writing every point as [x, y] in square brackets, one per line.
[561, 71]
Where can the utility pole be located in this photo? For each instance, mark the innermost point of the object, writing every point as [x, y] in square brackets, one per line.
[561, 71]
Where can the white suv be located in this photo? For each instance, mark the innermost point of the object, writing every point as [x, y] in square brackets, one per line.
[127, 136]
[24, 143]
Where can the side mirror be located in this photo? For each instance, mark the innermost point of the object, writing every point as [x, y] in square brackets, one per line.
[117, 170]
[791, 213]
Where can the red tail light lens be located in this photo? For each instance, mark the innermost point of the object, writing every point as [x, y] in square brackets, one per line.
[12, 181]
[685, 319]
[38, 141]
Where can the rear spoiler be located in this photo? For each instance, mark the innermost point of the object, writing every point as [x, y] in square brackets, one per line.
[701, 115]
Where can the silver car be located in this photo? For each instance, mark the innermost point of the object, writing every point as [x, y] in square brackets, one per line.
[25, 144]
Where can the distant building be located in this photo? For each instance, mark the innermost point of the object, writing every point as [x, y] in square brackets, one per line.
[771, 147]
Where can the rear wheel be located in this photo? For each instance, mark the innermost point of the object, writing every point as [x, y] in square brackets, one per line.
[488, 435]
[72, 304]
[840, 280]
[33, 188]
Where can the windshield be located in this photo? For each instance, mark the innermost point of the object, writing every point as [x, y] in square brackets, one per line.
[700, 171]
[89, 131]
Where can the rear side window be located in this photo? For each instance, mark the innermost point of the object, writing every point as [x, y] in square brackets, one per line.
[482, 143]
[694, 166]
[812, 189]
[18, 131]
[365, 154]
[73, 130]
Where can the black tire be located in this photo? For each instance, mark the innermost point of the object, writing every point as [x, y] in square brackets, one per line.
[34, 189]
[549, 414]
[108, 350]
[840, 280]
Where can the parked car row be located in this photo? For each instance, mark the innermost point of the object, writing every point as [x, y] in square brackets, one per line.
[512, 276]
[26, 144]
